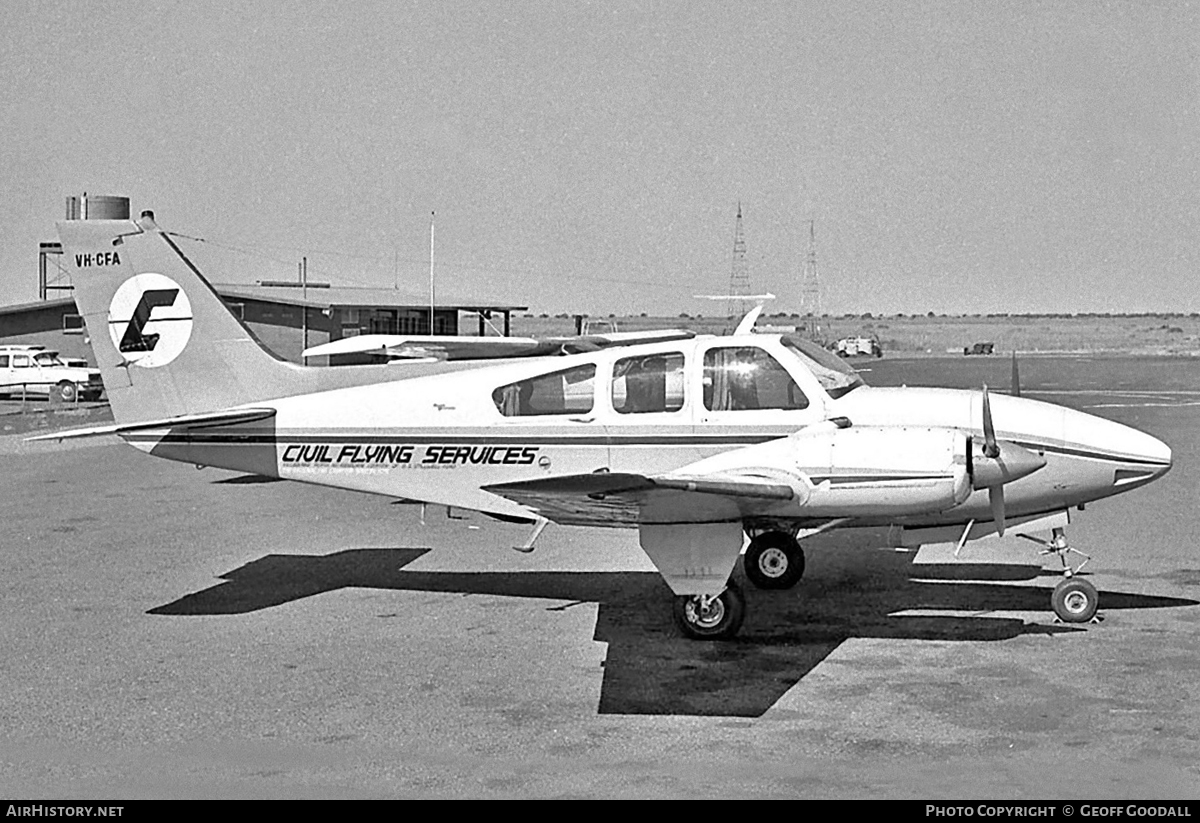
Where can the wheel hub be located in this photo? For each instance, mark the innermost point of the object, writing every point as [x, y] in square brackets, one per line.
[705, 612]
[1076, 602]
[773, 562]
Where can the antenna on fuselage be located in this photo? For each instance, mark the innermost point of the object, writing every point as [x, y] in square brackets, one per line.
[746, 326]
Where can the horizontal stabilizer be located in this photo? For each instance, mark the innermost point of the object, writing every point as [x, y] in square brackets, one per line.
[191, 421]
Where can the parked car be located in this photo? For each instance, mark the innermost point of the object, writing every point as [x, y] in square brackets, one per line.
[859, 347]
[980, 348]
[38, 370]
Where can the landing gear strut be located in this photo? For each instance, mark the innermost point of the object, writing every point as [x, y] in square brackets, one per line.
[1074, 600]
[774, 560]
[709, 617]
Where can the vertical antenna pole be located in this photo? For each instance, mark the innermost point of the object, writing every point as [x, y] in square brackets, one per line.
[739, 278]
[304, 294]
[431, 292]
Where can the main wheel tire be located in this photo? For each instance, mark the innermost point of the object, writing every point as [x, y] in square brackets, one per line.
[719, 620]
[67, 392]
[774, 560]
[1075, 600]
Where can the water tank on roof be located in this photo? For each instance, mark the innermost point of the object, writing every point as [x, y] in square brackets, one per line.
[97, 207]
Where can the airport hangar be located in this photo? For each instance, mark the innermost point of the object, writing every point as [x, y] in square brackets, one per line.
[285, 315]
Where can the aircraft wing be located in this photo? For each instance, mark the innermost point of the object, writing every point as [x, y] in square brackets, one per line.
[454, 347]
[198, 421]
[443, 346]
[623, 499]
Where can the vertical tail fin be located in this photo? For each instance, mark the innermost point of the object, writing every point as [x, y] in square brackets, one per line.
[164, 341]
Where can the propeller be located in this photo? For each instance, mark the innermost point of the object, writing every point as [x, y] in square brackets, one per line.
[1000, 463]
[990, 447]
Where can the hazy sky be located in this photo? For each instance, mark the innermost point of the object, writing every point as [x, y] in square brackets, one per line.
[589, 156]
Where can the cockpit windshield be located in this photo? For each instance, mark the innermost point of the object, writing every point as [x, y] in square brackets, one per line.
[835, 377]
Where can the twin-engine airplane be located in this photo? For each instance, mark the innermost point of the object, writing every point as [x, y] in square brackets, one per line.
[696, 441]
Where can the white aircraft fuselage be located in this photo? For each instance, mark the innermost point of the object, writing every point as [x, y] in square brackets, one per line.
[441, 439]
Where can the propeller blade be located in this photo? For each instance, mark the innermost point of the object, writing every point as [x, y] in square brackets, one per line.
[996, 496]
[990, 447]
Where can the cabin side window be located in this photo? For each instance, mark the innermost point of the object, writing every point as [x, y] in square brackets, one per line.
[570, 391]
[648, 383]
[744, 378]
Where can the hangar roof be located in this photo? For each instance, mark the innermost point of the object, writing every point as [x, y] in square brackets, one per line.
[317, 297]
[20, 308]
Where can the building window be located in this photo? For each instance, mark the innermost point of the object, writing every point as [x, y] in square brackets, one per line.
[72, 324]
[570, 391]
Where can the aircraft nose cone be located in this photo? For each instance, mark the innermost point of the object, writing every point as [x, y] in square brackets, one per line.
[1160, 452]
[1145, 448]
[1146, 457]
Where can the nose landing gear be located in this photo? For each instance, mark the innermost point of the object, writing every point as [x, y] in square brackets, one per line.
[711, 617]
[1074, 600]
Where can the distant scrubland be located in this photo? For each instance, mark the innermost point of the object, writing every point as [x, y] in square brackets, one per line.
[1165, 334]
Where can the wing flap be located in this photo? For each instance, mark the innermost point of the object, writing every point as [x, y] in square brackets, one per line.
[624, 499]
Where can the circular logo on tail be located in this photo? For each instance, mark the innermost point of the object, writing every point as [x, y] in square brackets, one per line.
[150, 320]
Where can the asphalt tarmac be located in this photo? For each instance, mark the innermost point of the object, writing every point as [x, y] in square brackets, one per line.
[168, 632]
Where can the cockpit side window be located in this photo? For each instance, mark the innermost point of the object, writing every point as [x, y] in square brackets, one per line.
[570, 391]
[746, 378]
[648, 383]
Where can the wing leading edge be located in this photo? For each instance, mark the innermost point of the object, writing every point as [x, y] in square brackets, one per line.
[453, 347]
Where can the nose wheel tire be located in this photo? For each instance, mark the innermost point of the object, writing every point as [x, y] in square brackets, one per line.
[705, 617]
[774, 560]
[1075, 600]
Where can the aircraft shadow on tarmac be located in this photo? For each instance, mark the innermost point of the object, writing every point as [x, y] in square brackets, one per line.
[650, 668]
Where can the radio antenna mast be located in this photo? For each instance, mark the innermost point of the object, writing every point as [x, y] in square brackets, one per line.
[739, 278]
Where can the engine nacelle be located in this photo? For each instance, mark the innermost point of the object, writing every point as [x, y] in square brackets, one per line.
[858, 471]
[876, 471]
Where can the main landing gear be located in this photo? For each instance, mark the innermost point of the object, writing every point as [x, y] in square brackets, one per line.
[774, 560]
[1074, 600]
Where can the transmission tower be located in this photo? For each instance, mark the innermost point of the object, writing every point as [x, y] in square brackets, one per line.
[739, 279]
[810, 285]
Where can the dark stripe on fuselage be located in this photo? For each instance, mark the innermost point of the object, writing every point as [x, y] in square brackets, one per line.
[839, 480]
[217, 437]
